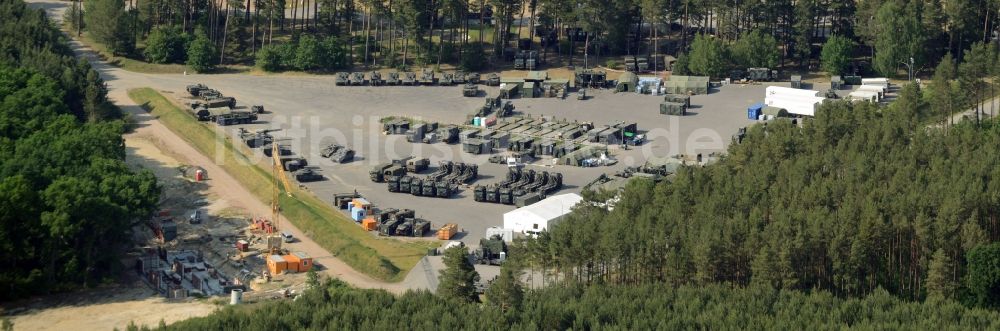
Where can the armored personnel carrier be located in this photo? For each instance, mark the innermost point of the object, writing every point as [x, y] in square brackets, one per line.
[341, 79]
[447, 79]
[427, 77]
[356, 79]
[307, 175]
[375, 79]
[393, 78]
[470, 90]
[493, 80]
[196, 89]
[409, 78]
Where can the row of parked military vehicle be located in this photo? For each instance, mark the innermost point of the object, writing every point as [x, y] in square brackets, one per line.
[299, 166]
[442, 183]
[408, 78]
[520, 188]
[211, 105]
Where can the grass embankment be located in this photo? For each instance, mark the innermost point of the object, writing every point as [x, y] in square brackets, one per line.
[382, 258]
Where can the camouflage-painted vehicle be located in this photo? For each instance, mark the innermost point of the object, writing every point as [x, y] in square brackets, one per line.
[393, 78]
[357, 78]
[375, 79]
[493, 79]
[196, 89]
[473, 77]
[409, 78]
[447, 79]
[470, 90]
[341, 79]
[459, 77]
[427, 77]
[307, 175]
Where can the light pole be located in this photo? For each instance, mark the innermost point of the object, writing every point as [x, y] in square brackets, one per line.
[909, 68]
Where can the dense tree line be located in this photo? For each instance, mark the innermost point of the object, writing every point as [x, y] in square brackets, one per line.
[856, 199]
[646, 307]
[393, 33]
[66, 195]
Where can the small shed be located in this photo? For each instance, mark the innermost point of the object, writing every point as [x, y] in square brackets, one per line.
[796, 81]
[627, 82]
[836, 82]
[509, 91]
[528, 90]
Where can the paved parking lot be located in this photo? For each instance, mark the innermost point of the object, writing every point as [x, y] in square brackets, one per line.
[313, 113]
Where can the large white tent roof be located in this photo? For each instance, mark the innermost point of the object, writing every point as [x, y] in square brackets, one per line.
[541, 212]
[795, 101]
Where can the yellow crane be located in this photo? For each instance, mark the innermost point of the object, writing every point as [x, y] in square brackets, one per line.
[278, 172]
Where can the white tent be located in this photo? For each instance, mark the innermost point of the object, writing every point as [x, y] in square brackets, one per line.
[796, 101]
[880, 82]
[870, 96]
[539, 216]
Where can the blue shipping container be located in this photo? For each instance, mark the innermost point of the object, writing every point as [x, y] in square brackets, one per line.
[754, 111]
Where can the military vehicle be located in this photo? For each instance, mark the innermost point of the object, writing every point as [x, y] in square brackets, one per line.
[417, 186]
[427, 77]
[444, 189]
[409, 78]
[447, 79]
[229, 102]
[258, 138]
[236, 117]
[341, 79]
[376, 173]
[404, 183]
[473, 77]
[307, 175]
[761, 74]
[282, 150]
[492, 251]
[590, 78]
[506, 110]
[672, 108]
[428, 188]
[207, 94]
[479, 193]
[389, 228]
[375, 79]
[257, 109]
[470, 90]
[526, 60]
[293, 163]
[449, 134]
[342, 200]
[196, 89]
[417, 165]
[393, 183]
[405, 228]
[493, 79]
[421, 228]
[831, 94]
[393, 78]
[356, 79]
[459, 77]
[527, 199]
[344, 155]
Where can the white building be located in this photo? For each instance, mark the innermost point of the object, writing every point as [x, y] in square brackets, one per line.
[795, 101]
[540, 215]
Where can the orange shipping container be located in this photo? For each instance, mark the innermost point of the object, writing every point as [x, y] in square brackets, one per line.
[299, 261]
[447, 231]
[276, 264]
[369, 224]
